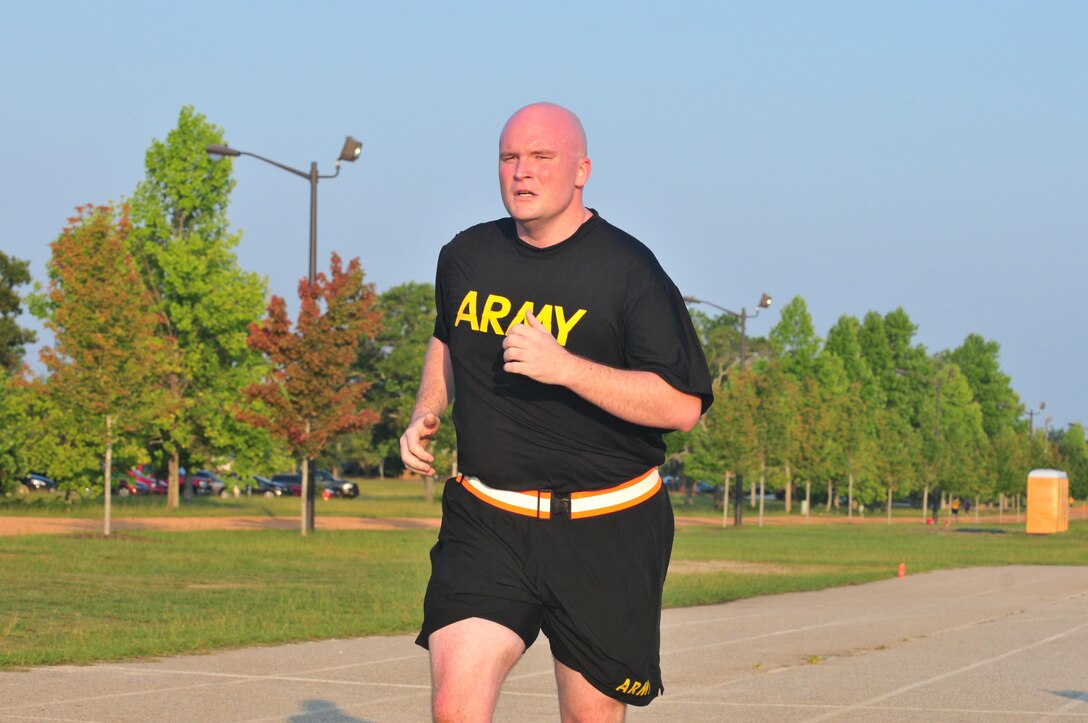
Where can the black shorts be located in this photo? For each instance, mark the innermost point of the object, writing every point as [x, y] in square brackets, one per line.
[593, 585]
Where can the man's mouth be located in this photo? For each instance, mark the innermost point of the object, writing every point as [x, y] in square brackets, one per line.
[524, 194]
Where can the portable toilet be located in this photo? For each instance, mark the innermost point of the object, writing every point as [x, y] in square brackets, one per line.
[1048, 502]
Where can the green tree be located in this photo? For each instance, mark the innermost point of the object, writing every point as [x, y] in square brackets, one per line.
[990, 387]
[393, 360]
[844, 341]
[779, 423]
[13, 338]
[13, 428]
[107, 361]
[1011, 455]
[958, 448]
[793, 340]
[897, 453]
[902, 369]
[205, 301]
[727, 439]
[1074, 451]
[312, 394]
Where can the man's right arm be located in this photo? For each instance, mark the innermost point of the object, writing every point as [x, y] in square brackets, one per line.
[435, 394]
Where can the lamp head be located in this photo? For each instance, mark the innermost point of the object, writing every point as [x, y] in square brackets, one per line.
[765, 301]
[352, 150]
[217, 151]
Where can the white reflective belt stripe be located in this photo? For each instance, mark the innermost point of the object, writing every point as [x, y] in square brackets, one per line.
[523, 500]
[582, 502]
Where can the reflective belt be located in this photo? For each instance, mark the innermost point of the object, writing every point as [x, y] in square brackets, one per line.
[542, 503]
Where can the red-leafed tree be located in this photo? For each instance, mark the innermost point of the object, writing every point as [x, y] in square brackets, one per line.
[107, 363]
[312, 394]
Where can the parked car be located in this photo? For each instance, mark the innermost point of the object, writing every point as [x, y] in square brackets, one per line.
[268, 488]
[327, 485]
[206, 482]
[337, 487]
[35, 482]
[293, 482]
[144, 475]
[128, 486]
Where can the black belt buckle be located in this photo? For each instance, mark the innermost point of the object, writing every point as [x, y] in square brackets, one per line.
[561, 505]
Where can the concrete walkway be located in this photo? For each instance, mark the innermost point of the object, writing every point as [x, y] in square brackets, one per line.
[983, 644]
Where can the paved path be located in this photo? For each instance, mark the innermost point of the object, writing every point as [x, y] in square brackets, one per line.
[984, 644]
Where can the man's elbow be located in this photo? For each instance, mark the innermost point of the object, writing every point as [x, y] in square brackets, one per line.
[686, 413]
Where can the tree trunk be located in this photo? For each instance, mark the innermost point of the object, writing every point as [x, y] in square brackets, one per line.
[830, 494]
[173, 465]
[725, 502]
[381, 468]
[889, 504]
[789, 490]
[428, 489]
[850, 497]
[808, 499]
[109, 476]
[752, 494]
[305, 483]
[761, 495]
[925, 503]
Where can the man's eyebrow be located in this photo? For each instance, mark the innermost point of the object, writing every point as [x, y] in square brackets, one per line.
[530, 152]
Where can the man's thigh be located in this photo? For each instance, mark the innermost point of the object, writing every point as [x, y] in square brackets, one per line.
[470, 659]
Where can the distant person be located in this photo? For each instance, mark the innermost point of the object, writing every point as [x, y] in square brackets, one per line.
[571, 352]
[955, 507]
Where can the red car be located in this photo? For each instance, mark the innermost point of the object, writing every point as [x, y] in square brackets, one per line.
[155, 486]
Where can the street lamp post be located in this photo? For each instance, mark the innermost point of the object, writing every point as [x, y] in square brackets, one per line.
[764, 302]
[350, 152]
[1031, 418]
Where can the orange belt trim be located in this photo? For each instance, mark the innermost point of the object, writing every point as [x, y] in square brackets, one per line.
[537, 503]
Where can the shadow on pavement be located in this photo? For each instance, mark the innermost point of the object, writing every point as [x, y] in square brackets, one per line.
[323, 711]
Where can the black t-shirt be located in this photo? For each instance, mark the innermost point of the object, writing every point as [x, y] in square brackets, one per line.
[604, 297]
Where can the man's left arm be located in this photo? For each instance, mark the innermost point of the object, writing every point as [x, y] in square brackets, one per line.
[639, 397]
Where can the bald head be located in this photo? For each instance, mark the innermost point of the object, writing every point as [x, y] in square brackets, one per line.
[551, 121]
[542, 170]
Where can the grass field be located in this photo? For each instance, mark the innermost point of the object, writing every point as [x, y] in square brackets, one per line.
[84, 598]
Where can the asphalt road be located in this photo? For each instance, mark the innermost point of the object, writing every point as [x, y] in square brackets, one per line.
[982, 644]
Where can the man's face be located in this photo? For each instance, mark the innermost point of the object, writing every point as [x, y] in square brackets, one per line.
[542, 165]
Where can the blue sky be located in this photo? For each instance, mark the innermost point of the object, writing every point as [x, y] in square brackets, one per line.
[863, 155]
